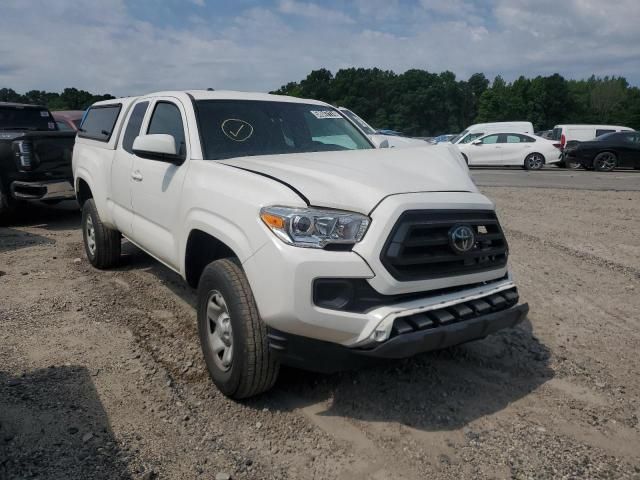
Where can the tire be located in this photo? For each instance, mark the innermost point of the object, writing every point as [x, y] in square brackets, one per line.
[534, 161]
[239, 360]
[101, 244]
[605, 162]
[5, 202]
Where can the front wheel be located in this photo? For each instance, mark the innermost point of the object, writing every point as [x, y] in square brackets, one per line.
[605, 162]
[534, 161]
[232, 335]
[101, 243]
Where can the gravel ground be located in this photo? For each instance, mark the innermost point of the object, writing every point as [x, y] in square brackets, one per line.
[101, 374]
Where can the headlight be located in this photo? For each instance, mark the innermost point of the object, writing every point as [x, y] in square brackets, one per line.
[314, 227]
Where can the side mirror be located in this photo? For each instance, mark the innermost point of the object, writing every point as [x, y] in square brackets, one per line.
[476, 142]
[159, 147]
[384, 144]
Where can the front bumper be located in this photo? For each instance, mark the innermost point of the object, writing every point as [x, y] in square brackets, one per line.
[43, 190]
[282, 278]
[326, 357]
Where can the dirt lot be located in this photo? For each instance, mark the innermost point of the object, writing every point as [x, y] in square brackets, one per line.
[101, 375]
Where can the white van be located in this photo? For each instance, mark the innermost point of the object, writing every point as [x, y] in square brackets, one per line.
[480, 129]
[582, 133]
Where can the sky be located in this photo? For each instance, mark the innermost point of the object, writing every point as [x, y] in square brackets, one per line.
[131, 47]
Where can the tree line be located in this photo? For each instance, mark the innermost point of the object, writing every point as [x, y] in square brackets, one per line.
[422, 103]
[69, 99]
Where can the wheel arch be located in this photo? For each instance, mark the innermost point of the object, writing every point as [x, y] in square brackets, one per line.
[204, 244]
[83, 191]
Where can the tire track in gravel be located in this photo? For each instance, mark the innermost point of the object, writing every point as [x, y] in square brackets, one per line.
[581, 255]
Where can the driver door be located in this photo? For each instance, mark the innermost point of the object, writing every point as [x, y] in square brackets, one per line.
[485, 151]
[157, 185]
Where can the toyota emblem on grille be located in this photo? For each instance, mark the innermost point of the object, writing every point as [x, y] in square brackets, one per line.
[462, 238]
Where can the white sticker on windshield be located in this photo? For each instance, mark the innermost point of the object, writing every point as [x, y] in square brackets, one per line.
[44, 113]
[52, 126]
[325, 114]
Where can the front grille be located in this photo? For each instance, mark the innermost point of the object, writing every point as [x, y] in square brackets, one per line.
[419, 247]
[457, 313]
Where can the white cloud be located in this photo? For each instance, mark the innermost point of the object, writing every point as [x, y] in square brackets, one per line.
[314, 11]
[101, 47]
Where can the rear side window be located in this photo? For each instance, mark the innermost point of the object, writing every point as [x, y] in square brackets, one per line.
[99, 122]
[603, 131]
[134, 125]
[167, 119]
[556, 133]
[519, 138]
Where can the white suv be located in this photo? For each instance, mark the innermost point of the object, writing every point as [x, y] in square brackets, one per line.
[308, 246]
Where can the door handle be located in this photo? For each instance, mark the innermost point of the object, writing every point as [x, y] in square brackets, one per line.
[136, 176]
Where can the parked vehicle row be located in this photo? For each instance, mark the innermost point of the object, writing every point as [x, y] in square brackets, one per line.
[35, 156]
[308, 246]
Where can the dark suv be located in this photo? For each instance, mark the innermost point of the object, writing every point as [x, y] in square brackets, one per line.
[35, 156]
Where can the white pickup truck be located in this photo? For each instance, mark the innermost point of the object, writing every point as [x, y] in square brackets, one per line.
[308, 246]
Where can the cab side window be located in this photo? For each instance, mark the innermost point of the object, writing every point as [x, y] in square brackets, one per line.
[166, 119]
[134, 125]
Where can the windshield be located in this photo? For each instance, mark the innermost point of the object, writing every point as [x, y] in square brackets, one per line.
[25, 118]
[238, 128]
[459, 136]
[556, 133]
[364, 126]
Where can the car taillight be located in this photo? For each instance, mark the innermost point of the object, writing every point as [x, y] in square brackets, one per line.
[558, 146]
[563, 140]
[25, 159]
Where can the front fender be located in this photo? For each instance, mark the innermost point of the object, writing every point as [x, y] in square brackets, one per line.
[221, 228]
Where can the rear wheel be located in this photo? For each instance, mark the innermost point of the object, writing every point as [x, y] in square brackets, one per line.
[232, 335]
[101, 243]
[605, 162]
[534, 161]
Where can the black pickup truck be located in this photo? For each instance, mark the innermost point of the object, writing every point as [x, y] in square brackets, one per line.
[35, 157]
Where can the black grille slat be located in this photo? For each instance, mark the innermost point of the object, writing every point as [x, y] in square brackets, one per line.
[460, 312]
[418, 246]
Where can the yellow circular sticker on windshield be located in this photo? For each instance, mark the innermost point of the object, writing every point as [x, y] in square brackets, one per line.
[237, 130]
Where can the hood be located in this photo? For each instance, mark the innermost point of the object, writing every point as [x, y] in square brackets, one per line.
[357, 180]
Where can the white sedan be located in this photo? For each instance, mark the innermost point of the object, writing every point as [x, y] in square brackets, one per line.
[514, 149]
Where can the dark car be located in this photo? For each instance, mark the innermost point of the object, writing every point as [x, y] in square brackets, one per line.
[35, 157]
[619, 149]
[68, 120]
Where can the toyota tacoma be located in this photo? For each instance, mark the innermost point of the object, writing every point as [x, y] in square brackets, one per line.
[308, 246]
